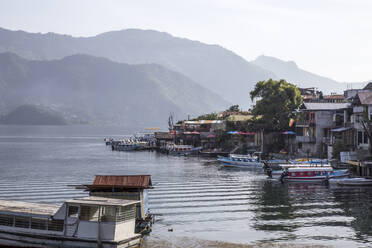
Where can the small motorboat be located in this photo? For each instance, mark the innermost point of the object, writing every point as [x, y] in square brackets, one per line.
[183, 150]
[353, 181]
[240, 161]
[307, 174]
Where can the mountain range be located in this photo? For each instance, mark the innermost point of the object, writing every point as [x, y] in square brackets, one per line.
[96, 90]
[191, 76]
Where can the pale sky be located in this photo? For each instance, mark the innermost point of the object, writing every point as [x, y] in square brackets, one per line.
[332, 38]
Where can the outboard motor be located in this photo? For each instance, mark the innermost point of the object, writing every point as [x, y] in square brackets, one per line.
[283, 175]
[269, 173]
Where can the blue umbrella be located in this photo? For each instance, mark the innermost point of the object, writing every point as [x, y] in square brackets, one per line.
[232, 132]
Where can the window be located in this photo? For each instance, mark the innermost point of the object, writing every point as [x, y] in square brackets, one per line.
[55, 225]
[37, 223]
[73, 211]
[6, 220]
[89, 213]
[126, 213]
[108, 214]
[360, 137]
[23, 222]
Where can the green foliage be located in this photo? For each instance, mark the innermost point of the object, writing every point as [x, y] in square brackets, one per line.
[234, 108]
[211, 116]
[338, 147]
[276, 102]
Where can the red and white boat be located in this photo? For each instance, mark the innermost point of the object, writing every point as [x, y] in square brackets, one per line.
[308, 174]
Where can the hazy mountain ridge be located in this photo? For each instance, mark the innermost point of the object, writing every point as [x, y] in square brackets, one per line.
[33, 115]
[98, 90]
[289, 71]
[212, 66]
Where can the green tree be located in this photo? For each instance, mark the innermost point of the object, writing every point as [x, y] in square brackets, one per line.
[337, 148]
[211, 116]
[234, 108]
[276, 101]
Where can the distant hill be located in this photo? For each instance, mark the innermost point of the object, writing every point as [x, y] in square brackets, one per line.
[33, 115]
[212, 66]
[100, 91]
[289, 71]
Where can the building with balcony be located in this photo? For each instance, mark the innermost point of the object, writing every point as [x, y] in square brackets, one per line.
[314, 124]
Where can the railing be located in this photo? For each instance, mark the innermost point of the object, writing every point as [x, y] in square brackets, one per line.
[306, 139]
[305, 123]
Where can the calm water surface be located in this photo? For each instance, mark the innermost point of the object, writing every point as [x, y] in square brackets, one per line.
[205, 205]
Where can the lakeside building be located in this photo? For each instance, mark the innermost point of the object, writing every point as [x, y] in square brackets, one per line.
[315, 122]
[323, 120]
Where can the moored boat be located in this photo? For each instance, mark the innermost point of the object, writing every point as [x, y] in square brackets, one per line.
[240, 161]
[183, 150]
[307, 174]
[85, 222]
[356, 181]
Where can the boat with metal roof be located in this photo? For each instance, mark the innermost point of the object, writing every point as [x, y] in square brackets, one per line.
[307, 174]
[85, 222]
[130, 187]
[240, 161]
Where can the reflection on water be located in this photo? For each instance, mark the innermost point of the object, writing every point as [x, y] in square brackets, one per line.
[204, 205]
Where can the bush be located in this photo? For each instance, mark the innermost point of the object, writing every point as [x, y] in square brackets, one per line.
[337, 148]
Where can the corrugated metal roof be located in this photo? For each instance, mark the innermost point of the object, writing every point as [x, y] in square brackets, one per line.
[325, 106]
[102, 201]
[365, 97]
[340, 129]
[123, 181]
[28, 207]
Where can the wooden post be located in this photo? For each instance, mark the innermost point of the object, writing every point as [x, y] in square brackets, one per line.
[99, 243]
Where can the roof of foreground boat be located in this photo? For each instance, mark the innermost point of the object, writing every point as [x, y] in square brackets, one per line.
[126, 181]
[28, 207]
[102, 201]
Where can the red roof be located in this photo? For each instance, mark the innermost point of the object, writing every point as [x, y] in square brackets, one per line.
[124, 181]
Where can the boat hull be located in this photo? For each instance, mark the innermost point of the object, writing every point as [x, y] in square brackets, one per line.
[354, 182]
[231, 163]
[17, 239]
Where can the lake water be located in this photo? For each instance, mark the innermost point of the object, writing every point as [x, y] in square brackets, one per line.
[204, 205]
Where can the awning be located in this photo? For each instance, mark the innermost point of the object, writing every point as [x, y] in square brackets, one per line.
[340, 129]
[289, 132]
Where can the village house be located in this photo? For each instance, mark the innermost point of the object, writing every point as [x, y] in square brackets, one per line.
[315, 122]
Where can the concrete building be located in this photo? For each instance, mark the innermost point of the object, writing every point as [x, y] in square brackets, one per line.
[314, 125]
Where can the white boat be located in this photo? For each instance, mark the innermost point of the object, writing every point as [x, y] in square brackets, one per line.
[85, 222]
[129, 145]
[183, 150]
[307, 174]
[356, 181]
[240, 161]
